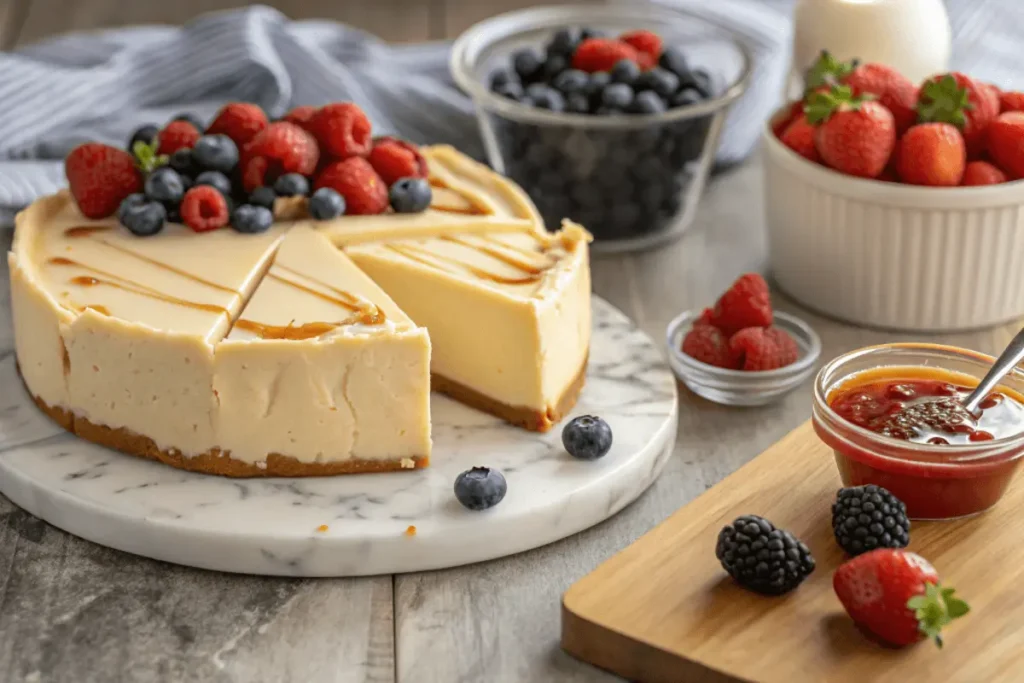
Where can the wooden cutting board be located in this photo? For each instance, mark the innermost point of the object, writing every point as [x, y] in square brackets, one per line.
[664, 610]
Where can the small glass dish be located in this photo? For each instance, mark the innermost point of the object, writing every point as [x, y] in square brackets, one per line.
[935, 482]
[633, 180]
[739, 387]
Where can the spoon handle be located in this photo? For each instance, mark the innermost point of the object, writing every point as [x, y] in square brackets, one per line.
[1008, 359]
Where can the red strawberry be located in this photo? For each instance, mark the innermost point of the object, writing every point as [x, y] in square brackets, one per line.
[708, 345]
[280, 148]
[394, 159]
[100, 178]
[645, 42]
[364, 191]
[601, 54]
[763, 348]
[746, 304]
[342, 130]
[894, 91]
[1006, 143]
[799, 137]
[784, 118]
[856, 135]
[957, 99]
[982, 173]
[203, 208]
[705, 317]
[826, 73]
[177, 135]
[240, 121]
[1011, 101]
[932, 154]
[896, 595]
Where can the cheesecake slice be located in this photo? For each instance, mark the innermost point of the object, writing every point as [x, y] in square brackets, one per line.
[322, 373]
[508, 314]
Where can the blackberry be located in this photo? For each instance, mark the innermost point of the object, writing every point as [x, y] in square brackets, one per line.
[868, 517]
[762, 558]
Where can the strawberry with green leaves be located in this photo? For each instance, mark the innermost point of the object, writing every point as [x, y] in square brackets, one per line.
[855, 135]
[897, 596]
[956, 99]
[894, 91]
[826, 73]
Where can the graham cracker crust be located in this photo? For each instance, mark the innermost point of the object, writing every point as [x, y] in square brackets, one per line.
[527, 418]
[214, 461]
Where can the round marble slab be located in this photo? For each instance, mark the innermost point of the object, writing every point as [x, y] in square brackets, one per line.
[375, 523]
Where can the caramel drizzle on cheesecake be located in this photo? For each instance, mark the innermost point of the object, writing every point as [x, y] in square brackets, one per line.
[491, 246]
[142, 290]
[501, 254]
[475, 207]
[289, 331]
[429, 258]
[80, 231]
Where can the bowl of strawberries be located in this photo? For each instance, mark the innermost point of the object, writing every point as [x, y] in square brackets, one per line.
[898, 205]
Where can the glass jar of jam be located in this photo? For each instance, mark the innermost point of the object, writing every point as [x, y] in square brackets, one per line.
[892, 416]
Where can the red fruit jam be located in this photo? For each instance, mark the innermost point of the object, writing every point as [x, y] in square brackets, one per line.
[904, 428]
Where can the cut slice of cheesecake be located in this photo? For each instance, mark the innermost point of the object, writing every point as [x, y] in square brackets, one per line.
[322, 371]
[508, 314]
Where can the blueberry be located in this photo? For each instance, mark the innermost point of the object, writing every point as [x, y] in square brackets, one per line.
[512, 90]
[625, 71]
[659, 80]
[142, 216]
[146, 134]
[164, 185]
[182, 162]
[410, 195]
[327, 203]
[686, 97]
[571, 81]
[193, 119]
[672, 59]
[587, 437]
[553, 66]
[252, 219]
[548, 98]
[698, 79]
[263, 196]
[480, 488]
[501, 77]
[563, 42]
[648, 102]
[173, 214]
[597, 83]
[291, 185]
[527, 64]
[592, 33]
[186, 182]
[215, 179]
[577, 103]
[617, 95]
[215, 153]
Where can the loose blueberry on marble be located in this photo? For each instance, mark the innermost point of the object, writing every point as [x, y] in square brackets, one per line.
[410, 195]
[182, 162]
[480, 488]
[215, 153]
[252, 219]
[164, 185]
[587, 437]
[291, 185]
[326, 204]
[145, 134]
[263, 196]
[215, 179]
[141, 215]
[193, 119]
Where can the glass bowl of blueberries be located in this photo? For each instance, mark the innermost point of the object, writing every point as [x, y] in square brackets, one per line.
[609, 116]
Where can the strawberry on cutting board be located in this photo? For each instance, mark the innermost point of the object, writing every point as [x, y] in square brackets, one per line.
[855, 135]
[896, 595]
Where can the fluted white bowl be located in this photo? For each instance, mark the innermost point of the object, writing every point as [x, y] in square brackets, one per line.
[894, 256]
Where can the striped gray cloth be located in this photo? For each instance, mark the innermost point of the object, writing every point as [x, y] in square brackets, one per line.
[101, 86]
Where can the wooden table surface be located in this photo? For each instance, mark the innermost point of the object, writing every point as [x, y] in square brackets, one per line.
[76, 612]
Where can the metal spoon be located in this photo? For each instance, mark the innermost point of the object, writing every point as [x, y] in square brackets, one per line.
[1007, 361]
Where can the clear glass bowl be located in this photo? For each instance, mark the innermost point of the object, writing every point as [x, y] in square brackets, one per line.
[739, 387]
[935, 482]
[632, 180]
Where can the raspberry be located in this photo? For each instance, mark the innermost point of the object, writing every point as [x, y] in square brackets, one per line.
[645, 42]
[760, 348]
[364, 191]
[240, 121]
[301, 117]
[204, 208]
[100, 178]
[342, 130]
[600, 54]
[708, 345]
[745, 304]
[394, 159]
[280, 148]
[177, 135]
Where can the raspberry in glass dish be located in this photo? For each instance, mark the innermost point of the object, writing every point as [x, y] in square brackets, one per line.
[892, 416]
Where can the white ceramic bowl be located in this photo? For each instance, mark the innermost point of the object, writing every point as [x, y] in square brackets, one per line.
[893, 256]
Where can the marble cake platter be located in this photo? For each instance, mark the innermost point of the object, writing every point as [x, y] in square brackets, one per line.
[362, 524]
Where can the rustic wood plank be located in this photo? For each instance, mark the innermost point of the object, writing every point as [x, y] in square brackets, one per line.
[12, 17]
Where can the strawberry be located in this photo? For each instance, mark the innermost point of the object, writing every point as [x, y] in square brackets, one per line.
[1006, 143]
[932, 154]
[746, 303]
[240, 121]
[601, 54]
[856, 135]
[784, 118]
[645, 42]
[100, 177]
[826, 73]
[708, 345]
[957, 99]
[982, 173]
[1011, 101]
[896, 595]
[799, 137]
[763, 348]
[177, 135]
[894, 91]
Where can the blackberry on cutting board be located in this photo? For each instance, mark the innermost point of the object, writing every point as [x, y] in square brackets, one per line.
[762, 558]
[868, 517]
